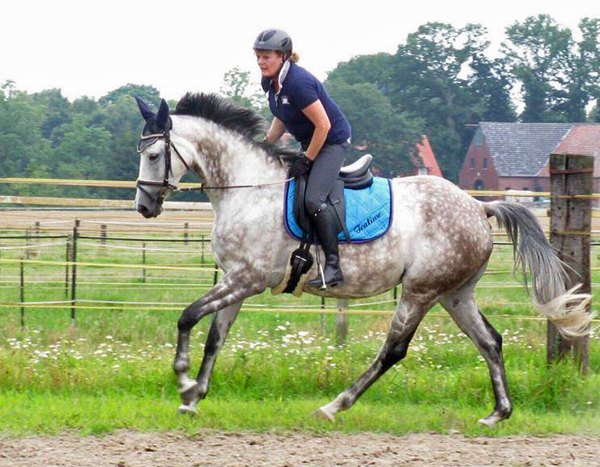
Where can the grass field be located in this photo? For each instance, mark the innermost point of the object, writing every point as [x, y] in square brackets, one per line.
[112, 369]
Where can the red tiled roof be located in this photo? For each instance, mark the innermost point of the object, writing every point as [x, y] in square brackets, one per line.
[582, 139]
[425, 153]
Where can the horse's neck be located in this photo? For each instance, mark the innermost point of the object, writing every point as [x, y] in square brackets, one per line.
[225, 159]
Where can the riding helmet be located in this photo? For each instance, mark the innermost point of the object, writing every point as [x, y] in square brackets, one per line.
[274, 39]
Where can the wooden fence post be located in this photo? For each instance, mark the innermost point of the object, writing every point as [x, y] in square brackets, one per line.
[323, 305]
[570, 230]
[67, 259]
[201, 249]
[27, 244]
[341, 322]
[144, 262]
[216, 274]
[74, 271]
[35, 252]
[22, 292]
[103, 239]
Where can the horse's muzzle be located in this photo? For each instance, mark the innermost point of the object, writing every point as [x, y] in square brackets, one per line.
[148, 212]
[147, 206]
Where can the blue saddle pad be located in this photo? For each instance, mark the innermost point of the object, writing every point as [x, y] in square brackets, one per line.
[368, 211]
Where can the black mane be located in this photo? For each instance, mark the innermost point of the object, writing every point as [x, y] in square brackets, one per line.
[226, 113]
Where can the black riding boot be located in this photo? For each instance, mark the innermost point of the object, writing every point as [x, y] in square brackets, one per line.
[326, 224]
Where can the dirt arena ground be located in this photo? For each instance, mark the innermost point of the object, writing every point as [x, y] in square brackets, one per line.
[131, 449]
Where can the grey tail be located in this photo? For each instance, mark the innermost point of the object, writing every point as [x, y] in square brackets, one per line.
[534, 255]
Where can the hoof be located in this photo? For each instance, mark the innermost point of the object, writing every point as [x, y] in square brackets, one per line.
[490, 421]
[188, 410]
[323, 414]
[487, 422]
[187, 392]
[495, 417]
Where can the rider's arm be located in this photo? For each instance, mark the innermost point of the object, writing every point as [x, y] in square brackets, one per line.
[276, 131]
[317, 115]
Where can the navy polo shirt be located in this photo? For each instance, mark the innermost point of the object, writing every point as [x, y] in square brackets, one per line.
[298, 90]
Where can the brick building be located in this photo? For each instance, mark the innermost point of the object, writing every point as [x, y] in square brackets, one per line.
[514, 156]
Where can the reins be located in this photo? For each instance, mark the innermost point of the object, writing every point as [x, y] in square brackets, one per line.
[229, 187]
[167, 185]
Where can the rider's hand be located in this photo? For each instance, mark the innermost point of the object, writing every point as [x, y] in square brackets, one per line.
[300, 166]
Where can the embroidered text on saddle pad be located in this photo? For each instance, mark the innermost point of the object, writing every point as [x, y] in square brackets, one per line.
[368, 211]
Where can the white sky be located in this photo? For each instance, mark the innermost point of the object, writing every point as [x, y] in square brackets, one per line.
[92, 47]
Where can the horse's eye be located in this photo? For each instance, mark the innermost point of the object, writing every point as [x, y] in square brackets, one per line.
[153, 157]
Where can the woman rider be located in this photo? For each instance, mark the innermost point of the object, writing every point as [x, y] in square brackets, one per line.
[300, 105]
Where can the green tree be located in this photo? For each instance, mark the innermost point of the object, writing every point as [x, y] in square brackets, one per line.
[594, 115]
[492, 84]
[21, 142]
[375, 69]
[558, 76]
[238, 88]
[149, 94]
[377, 128]
[83, 153]
[431, 81]
[534, 49]
[56, 110]
[123, 122]
[581, 83]
[85, 106]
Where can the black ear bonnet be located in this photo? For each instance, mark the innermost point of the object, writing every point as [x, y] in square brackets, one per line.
[158, 123]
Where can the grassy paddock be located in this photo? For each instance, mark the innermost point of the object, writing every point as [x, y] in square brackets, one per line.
[112, 369]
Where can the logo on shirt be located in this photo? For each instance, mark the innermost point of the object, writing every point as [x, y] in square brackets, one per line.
[285, 100]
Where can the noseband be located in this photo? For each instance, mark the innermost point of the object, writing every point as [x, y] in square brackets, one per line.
[166, 185]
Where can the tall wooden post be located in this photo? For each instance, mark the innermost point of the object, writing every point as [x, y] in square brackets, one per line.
[570, 229]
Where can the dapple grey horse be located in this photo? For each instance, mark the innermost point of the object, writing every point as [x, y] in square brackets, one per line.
[438, 245]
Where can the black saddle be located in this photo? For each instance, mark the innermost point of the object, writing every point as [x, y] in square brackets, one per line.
[355, 176]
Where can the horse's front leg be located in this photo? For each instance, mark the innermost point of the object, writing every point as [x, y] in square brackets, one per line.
[225, 299]
[191, 391]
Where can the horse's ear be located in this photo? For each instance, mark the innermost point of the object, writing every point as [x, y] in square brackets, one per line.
[162, 117]
[144, 109]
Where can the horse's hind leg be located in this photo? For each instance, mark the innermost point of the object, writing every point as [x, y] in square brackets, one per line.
[463, 309]
[403, 327]
[191, 390]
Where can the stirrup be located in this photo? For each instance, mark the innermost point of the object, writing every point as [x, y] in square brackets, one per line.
[320, 282]
[323, 285]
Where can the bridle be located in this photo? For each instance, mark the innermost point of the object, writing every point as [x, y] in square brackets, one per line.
[166, 185]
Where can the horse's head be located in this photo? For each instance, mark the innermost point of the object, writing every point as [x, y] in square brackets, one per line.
[159, 172]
